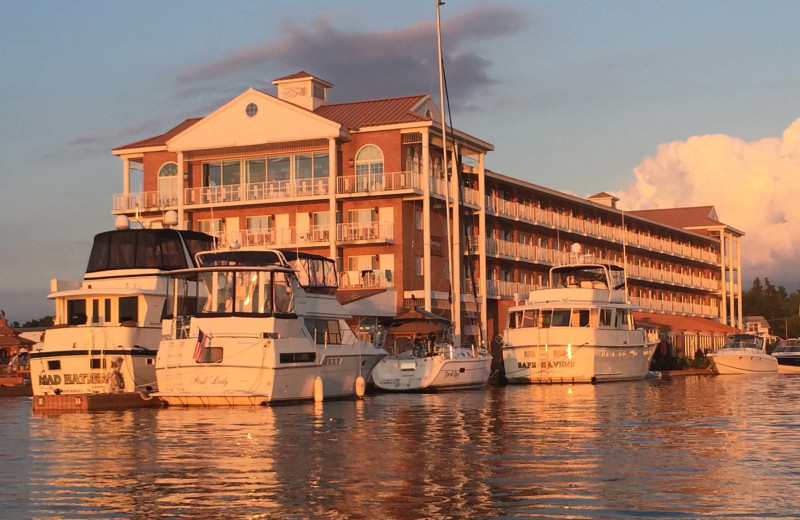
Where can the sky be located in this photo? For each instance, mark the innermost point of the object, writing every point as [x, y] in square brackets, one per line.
[664, 104]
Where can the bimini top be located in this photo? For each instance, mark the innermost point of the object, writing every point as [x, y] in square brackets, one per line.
[161, 249]
[313, 271]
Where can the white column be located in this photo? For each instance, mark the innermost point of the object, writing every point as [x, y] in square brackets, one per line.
[723, 295]
[126, 176]
[426, 230]
[482, 264]
[455, 269]
[181, 192]
[732, 278]
[739, 279]
[332, 162]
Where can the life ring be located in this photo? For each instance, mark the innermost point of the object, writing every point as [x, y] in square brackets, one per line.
[499, 339]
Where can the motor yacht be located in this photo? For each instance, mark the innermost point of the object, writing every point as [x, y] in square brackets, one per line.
[107, 328]
[578, 330]
[256, 327]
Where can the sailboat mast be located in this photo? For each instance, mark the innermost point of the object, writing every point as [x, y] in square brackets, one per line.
[454, 316]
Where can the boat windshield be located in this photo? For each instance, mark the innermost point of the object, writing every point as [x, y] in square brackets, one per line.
[239, 292]
[788, 345]
[743, 341]
[585, 277]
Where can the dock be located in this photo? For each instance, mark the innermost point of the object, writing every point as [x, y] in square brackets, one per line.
[94, 402]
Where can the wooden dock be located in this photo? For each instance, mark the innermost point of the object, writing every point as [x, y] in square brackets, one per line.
[94, 402]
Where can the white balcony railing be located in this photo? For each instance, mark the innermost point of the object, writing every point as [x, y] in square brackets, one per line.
[378, 182]
[365, 232]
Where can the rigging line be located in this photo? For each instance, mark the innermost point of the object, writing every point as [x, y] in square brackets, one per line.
[459, 197]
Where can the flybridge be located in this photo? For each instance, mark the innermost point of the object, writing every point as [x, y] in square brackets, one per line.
[161, 249]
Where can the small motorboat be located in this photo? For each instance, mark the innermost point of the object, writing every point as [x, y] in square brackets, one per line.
[788, 355]
[743, 354]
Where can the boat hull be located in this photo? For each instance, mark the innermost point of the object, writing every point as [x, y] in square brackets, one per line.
[788, 364]
[554, 363]
[78, 360]
[259, 373]
[742, 361]
[444, 371]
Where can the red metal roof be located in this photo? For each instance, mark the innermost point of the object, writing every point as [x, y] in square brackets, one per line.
[700, 216]
[375, 112]
[161, 140]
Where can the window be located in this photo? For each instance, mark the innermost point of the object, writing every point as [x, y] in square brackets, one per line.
[278, 169]
[298, 357]
[605, 317]
[54, 365]
[225, 173]
[261, 230]
[561, 317]
[213, 227]
[211, 355]
[418, 219]
[96, 363]
[168, 184]
[107, 309]
[324, 331]
[256, 178]
[129, 309]
[369, 168]
[580, 318]
[418, 265]
[95, 311]
[622, 319]
[76, 312]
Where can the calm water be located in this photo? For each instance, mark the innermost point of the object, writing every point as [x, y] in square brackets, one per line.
[694, 447]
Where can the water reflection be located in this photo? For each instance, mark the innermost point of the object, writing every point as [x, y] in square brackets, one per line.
[700, 446]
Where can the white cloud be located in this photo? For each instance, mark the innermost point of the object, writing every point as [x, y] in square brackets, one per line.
[755, 187]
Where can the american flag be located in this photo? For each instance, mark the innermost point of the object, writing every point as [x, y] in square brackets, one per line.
[200, 348]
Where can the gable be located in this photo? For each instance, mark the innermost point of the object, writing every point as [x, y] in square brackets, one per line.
[275, 121]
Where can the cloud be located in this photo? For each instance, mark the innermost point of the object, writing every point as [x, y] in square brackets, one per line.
[366, 65]
[754, 186]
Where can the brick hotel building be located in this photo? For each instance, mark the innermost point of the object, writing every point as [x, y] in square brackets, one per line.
[364, 183]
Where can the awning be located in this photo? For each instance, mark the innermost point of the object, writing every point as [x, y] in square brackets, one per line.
[677, 324]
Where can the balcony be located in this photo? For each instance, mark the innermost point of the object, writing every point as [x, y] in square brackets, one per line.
[366, 279]
[378, 183]
[359, 232]
[254, 192]
[504, 208]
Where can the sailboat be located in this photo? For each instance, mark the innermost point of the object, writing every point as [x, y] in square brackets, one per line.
[424, 354]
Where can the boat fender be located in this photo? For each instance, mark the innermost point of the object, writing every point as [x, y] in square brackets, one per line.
[318, 392]
[360, 386]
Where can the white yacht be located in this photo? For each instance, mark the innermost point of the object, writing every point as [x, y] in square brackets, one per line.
[107, 328]
[424, 358]
[579, 330]
[743, 354]
[254, 327]
[787, 352]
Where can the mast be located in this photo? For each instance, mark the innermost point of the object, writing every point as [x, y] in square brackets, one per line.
[455, 317]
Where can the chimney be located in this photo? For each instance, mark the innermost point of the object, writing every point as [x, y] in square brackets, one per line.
[303, 90]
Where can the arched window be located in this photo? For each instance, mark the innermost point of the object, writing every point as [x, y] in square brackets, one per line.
[369, 169]
[168, 184]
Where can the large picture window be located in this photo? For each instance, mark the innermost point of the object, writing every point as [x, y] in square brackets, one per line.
[168, 184]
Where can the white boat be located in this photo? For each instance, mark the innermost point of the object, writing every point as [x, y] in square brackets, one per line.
[787, 352]
[743, 354]
[579, 330]
[424, 358]
[255, 327]
[107, 328]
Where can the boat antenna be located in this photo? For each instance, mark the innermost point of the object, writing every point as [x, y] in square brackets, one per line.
[456, 319]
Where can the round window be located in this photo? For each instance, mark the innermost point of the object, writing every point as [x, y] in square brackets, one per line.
[251, 110]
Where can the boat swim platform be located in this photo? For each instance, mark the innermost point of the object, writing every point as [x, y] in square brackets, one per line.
[94, 402]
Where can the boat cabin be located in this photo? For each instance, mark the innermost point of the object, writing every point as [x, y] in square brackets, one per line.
[566, 315]
[592, 276]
